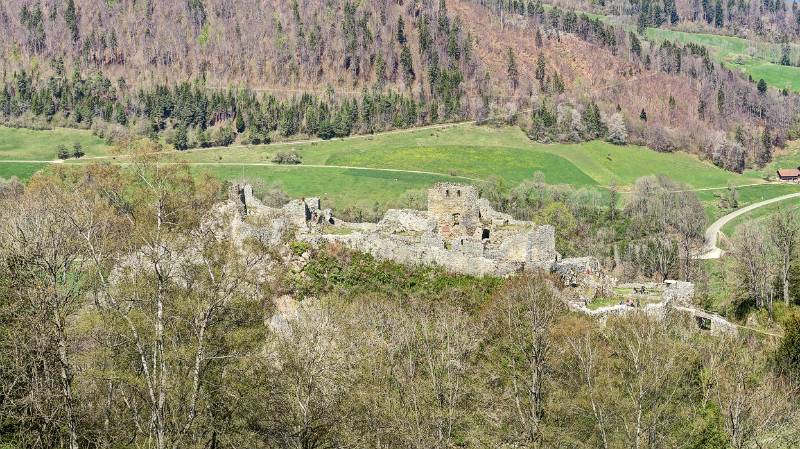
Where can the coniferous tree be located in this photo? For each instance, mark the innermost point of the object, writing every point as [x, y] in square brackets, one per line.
[181, 141]
[540, 69]
[762, 86]
[636, 45]
[513, 74]
[240, 123]
[718, 14]
[401, 32]
[71, 17]
[785, 54]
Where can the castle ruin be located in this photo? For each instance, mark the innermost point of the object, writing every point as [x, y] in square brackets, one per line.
[459, 231]
[463, 234]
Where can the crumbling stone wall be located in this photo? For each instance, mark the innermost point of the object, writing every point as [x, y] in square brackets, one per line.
[678, 292]
[455, 209]
[399, 250]
[537, 246]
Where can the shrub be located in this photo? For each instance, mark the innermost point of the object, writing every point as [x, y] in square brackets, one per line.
[63, 152]
[660, 139]
[224, 137]
[77, 150]
[298, 248]
[787, 355]
[617, 131]
[287, 157]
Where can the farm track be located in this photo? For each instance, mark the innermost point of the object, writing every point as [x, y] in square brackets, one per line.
[710, 249]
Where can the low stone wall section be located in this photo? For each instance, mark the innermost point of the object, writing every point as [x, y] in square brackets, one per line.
[387, 248]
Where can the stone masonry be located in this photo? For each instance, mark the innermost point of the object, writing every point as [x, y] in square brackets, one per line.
[459, 232]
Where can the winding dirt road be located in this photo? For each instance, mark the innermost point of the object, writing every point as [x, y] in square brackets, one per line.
[710, 249]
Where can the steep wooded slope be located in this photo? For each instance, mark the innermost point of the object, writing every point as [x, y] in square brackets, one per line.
[446, 59]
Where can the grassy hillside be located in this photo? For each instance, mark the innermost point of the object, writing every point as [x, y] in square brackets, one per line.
[457, 152]
[378, 169]
[481, 152]
[28, 145]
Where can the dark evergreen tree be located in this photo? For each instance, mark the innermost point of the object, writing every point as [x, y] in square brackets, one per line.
[71, 17]
[636, 45]
[401, 32]
[240, 123]
[762, 86]
[513, 74]
[181, 141]
[719, 15]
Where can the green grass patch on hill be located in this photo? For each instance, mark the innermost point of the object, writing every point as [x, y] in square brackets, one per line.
[761, 214]
[29, 145]
[337, 188]
[22, 171]
[387, 165]
[747, 196]
[481, 152]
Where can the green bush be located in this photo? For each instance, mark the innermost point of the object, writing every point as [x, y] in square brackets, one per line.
[77, 150]
[787, 355]
[298, 248]
[352, 274]
[62, 152]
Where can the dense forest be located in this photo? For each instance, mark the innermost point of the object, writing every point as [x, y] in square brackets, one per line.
[381, 65]
[130, 317]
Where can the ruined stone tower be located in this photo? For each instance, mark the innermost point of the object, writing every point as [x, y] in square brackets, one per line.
[455, 209]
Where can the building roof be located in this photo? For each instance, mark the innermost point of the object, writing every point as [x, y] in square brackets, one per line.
[789, 172]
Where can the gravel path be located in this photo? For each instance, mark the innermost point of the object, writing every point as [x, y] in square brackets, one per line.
[710, 249]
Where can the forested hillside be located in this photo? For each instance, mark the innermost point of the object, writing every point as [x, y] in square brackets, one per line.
[204, 73]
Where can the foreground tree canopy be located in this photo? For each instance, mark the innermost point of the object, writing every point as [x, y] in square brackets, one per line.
[128, 318]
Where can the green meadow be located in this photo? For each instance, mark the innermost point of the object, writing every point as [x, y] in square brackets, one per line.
[480, 152]
[365, 170]
[28, 145]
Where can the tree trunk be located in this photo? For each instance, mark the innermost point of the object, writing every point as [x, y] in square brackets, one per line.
[66, 379]
[785, 273]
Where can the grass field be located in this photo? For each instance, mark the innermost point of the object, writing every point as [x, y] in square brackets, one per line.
[28, 145]
[22, 171]
[761, 214]
[747, 195]
[365, 170]
[338, 188]
[481, 152]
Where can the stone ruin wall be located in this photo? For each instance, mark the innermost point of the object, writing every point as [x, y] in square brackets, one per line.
[455, 209]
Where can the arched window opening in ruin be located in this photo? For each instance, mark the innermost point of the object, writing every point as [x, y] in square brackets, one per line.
[485, 234]
[703, 323]
[447, 193]
[456, 219]
[458, 192]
